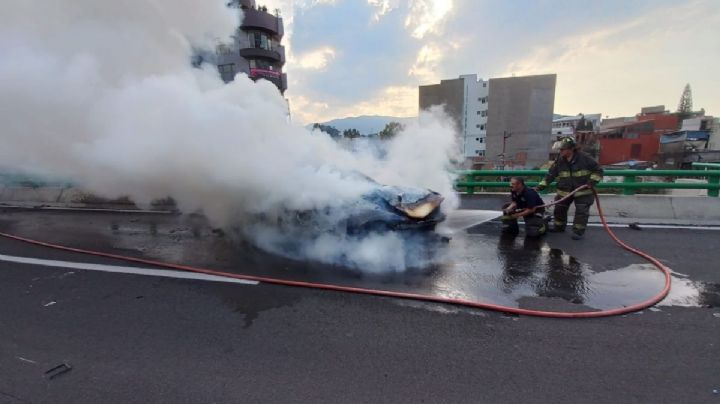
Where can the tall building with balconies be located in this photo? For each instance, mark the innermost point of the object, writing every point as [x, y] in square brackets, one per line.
[256, 49]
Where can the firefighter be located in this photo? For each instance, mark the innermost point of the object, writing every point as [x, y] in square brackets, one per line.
[573, 168]
[526, 204]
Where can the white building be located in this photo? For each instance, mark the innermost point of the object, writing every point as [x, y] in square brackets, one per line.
[566, 125]
[475, 109]
[487, 113]
[705, 123]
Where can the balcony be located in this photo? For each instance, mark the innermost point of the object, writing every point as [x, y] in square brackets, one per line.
[277, 54]
[262, 20]
[277, 78]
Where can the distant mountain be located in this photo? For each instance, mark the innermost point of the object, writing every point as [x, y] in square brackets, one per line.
[365, 124]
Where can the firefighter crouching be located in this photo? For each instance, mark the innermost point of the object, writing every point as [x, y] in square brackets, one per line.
[526, 203]
[572, 169]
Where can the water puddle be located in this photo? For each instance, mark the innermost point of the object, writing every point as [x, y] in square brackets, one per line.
[479, 264]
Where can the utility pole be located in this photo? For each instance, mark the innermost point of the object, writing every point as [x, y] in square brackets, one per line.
[506, 135]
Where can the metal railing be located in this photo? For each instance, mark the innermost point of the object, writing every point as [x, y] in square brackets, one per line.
[31, 181]
[472, 180]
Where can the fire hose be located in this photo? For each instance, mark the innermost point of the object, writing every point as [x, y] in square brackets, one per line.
[387, 293]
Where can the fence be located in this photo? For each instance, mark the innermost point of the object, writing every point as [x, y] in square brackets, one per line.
[472, 180]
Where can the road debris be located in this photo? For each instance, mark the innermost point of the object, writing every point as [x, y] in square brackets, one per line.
[58, 370]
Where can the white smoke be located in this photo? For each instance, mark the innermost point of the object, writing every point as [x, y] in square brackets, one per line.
[103, 93]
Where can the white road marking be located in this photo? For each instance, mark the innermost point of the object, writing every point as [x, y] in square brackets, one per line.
[124, 270]
[658, 226]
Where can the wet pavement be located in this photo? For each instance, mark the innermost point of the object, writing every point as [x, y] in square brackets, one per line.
[81, 336]
[478, 263]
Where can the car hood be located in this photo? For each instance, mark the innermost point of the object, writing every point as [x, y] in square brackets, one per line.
[416, 203]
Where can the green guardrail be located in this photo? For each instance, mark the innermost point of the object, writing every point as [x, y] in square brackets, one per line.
[31, 181]
[471, 180]
[714, 166]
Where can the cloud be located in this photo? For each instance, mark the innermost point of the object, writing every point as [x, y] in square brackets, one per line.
[314, 3]
[317, 59]
[383, 7]
[307, 111]
[427, 16]
[639, 61]
[427, 63]
[611, 57]
[400, 101]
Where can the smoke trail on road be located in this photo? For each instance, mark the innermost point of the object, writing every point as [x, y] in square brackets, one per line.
[103, 93]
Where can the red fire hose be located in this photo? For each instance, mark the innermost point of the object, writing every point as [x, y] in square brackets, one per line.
[462, 302]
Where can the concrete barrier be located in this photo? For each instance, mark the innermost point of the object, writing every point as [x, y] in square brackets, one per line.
[670, 209]
[66, 197]
[24, 194]
[655, 209]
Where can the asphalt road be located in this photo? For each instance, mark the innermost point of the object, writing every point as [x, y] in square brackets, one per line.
[128, 338]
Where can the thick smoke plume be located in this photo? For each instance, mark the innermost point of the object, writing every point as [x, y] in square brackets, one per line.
[103, 93]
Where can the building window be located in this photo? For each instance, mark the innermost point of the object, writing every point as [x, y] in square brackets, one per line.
[260, 40]
[485, 84]
[477, 126]
[478, 112]
[261, 64]
[484, 113]
[482, 140]
[635, 150]
[227, 69]
[482, 127]
[223, 50]
[631, 136]
[477, 139]
[484, 100]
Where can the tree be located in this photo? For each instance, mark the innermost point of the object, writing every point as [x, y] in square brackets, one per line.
[330, 130]
[351, 133]
[685, 106]
[391, 130]
[583, 125]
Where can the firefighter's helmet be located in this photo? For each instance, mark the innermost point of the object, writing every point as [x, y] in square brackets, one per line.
[567, 143]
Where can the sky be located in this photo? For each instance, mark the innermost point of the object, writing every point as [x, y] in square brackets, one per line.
[368, 57]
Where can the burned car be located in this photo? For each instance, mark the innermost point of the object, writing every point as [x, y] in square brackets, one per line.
[381, 208]
[391, 208]
[379, 228]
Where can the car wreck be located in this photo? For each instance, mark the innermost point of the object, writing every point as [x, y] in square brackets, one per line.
[381, 208]
[392, 208]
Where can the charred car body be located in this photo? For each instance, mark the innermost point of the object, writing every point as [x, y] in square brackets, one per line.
[391, 208]
[337, 232]
[382, 208]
